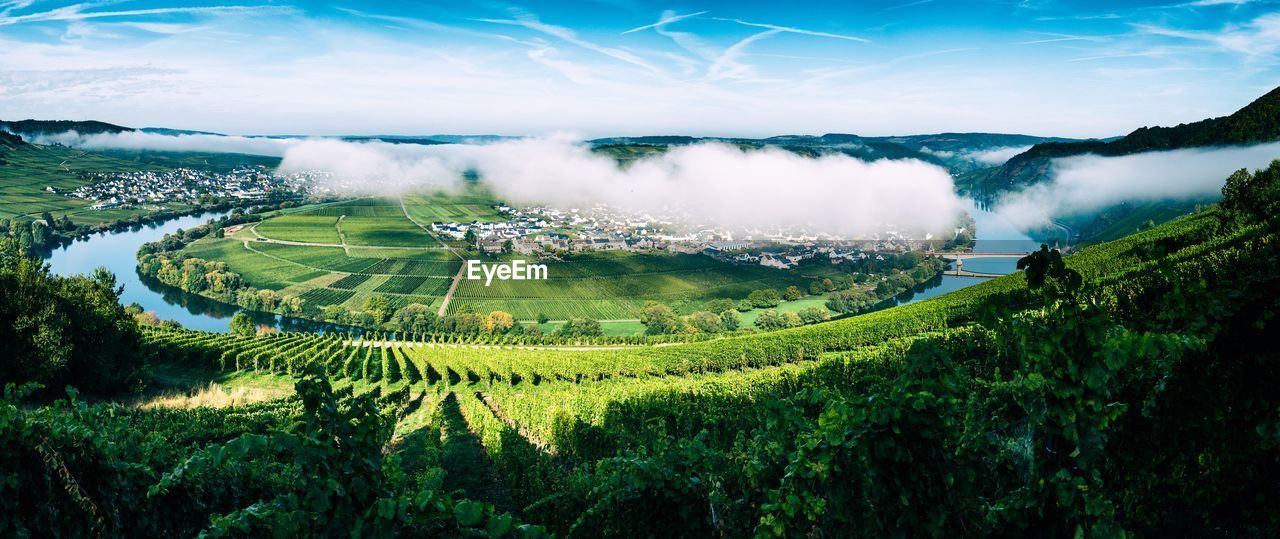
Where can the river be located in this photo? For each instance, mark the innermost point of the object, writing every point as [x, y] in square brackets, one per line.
[995, 235]
[117, 251]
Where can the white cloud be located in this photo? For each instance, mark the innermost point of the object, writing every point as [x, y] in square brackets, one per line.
[668, 17]
[712, 182]
[138, 140]
[1087, 183]
[996, 156]
[1257, 38]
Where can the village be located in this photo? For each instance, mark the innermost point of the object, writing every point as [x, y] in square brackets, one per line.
[137, 188]
[551, 232]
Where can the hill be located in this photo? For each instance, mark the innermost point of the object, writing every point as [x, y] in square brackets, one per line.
[1257, 122]
[10, 140]
[957, 152]
[48, 127]
[1049, 403]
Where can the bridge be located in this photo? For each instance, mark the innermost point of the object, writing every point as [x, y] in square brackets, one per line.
[961, 272]
[959, 258]
[968, 256]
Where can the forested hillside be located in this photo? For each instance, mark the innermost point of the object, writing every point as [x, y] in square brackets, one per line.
[53, 127]
[1126, 389]
[1257, 122]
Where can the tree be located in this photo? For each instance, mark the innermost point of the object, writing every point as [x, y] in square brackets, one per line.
[334, 313]
[1047, 267]
[241, 324]
[1253, 197]
[658, 319]
[766, 298]
[542, 318]
[39, 233]
[379, 307]
[730, 320]
[580, 327]
[792, 293]
[720, 305]
[850, 301]
[470, 237]
[63, 330]
[745, 305]
[705, 321]
[813, 315]
[770, 320]
[414, 318]
[508, 246]
[498, 322]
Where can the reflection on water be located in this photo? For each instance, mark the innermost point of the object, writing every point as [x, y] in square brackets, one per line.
[937, 286]
[117, 252]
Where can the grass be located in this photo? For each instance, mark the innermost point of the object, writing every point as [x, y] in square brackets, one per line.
[213, 395]
[28, 170]
[614, 286]
[474, 203]
[301, 228]
[749, 318]
[391, 255]
[176, 386]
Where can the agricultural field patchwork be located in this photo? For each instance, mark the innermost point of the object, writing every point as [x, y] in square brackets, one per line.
[300, 228]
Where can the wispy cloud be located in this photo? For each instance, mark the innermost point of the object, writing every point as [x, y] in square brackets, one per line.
[1053, 37]
[569, 36]
[1259, 37]
[668, 17]
[908, 5]
[76, 13]
[793, 30]
[727, 66]
[1204, 3]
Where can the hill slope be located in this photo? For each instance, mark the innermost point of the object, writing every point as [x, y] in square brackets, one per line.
[46, 127]
[1257, 122]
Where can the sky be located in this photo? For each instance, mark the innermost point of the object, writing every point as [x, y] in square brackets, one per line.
[626, 67]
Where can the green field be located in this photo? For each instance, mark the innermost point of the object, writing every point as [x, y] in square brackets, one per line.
[614, 285]
[29, 169]
[473, 203]
[368, 246]
[300, 228]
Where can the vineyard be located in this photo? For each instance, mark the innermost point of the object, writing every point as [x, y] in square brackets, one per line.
[994, 410]
[368, 247]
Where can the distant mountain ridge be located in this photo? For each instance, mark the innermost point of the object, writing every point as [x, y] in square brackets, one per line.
[1257, 122]
[51, 127]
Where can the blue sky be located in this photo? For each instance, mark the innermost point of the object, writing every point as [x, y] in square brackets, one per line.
[624, 67]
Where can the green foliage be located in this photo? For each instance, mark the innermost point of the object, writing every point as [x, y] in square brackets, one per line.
[241, 324]
[63, 330]
[658, 319]
[343, 483]
[1253, 197]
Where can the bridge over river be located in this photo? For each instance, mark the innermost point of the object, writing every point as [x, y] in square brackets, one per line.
[959, 259]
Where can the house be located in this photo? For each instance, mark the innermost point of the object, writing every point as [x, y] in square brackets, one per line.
[769, 261]
[490, 246]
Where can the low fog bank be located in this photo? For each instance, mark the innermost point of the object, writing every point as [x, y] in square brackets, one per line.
[139, 140]
[711, 182]
[1088, 183]
[996, 156]
[716, 183]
